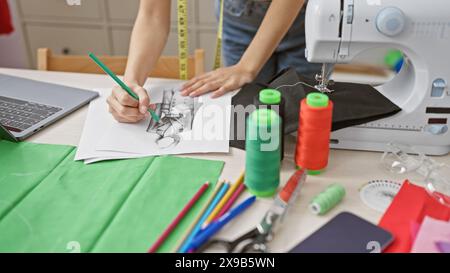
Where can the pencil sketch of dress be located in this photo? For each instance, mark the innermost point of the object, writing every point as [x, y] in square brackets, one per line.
[177, 115]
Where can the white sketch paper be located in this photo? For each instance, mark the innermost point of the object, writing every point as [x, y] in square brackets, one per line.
[98, 121]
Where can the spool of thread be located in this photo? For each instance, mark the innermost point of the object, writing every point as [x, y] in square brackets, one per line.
[314, 131]
[327, 200]
[272, 99]
[394, 60]
[262, 171]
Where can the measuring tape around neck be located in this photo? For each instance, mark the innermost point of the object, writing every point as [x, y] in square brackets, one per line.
[183, 49]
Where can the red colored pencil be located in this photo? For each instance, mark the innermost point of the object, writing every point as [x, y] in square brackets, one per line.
[230, 202]
[177, 219]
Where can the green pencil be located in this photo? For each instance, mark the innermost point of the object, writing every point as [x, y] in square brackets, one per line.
[121, 83]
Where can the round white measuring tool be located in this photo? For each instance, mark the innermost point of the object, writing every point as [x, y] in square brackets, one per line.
[378, 194]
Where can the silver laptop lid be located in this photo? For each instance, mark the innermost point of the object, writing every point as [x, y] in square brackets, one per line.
[46, 103]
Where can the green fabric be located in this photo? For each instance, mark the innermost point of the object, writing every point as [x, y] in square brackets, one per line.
[22, 167]
[48, 200]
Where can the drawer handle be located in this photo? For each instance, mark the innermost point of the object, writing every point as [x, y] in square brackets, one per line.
[65, 51]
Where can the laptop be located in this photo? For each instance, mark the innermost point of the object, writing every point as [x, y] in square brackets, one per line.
[28, 106]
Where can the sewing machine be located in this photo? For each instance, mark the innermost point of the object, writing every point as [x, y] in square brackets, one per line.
[339, 30]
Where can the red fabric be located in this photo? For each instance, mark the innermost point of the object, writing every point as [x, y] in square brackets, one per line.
[409, 208]
[6, 26]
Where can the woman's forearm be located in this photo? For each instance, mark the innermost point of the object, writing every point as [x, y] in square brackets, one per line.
[277, 21]
[148, 39]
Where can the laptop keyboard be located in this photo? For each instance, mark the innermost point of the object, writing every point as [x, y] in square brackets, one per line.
[18, 115]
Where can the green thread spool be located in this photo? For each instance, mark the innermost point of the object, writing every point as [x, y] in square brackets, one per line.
[272, 99]
[393, 58]
[317, 100]
[262, 164]
[270, 96]
[327, 199]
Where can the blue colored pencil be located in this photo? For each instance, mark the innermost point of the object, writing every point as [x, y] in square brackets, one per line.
[215, 226]
[185, 247]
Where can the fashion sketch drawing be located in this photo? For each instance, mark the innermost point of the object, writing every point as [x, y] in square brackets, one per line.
[177, 114]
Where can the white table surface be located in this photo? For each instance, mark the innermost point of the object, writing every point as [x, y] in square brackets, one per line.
[352, 169]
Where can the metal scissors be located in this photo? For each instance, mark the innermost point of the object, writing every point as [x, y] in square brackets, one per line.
[256, 240]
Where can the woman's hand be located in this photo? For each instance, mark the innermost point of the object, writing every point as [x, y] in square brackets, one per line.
[126, 109]
[219, 81]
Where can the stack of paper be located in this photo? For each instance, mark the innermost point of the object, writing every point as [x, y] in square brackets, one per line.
[187, 125]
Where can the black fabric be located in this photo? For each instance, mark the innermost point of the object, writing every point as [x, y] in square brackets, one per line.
[354, 104]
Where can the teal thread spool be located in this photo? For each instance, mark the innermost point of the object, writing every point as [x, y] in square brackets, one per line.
[262, 164]
[327, 199]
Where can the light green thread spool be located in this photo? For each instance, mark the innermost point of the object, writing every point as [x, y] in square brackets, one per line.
[394, 59]
[262, 164]
[270, 96]
[327, 200]
[317, 100]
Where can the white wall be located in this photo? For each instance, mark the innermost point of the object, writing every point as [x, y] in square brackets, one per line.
[13, 52]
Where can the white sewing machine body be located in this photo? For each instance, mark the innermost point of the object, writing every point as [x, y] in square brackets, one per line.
[421, 30]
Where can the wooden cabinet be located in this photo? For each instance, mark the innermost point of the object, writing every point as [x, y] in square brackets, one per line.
[104, 26]
[60, 10]
[120, 40]
[67, 39]
[120, 10]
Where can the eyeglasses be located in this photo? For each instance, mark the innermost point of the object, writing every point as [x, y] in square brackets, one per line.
[438, 184]
[435, 176]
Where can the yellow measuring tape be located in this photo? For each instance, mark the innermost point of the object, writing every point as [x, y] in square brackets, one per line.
[218, 57]
[183, 49]
[183, 39]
